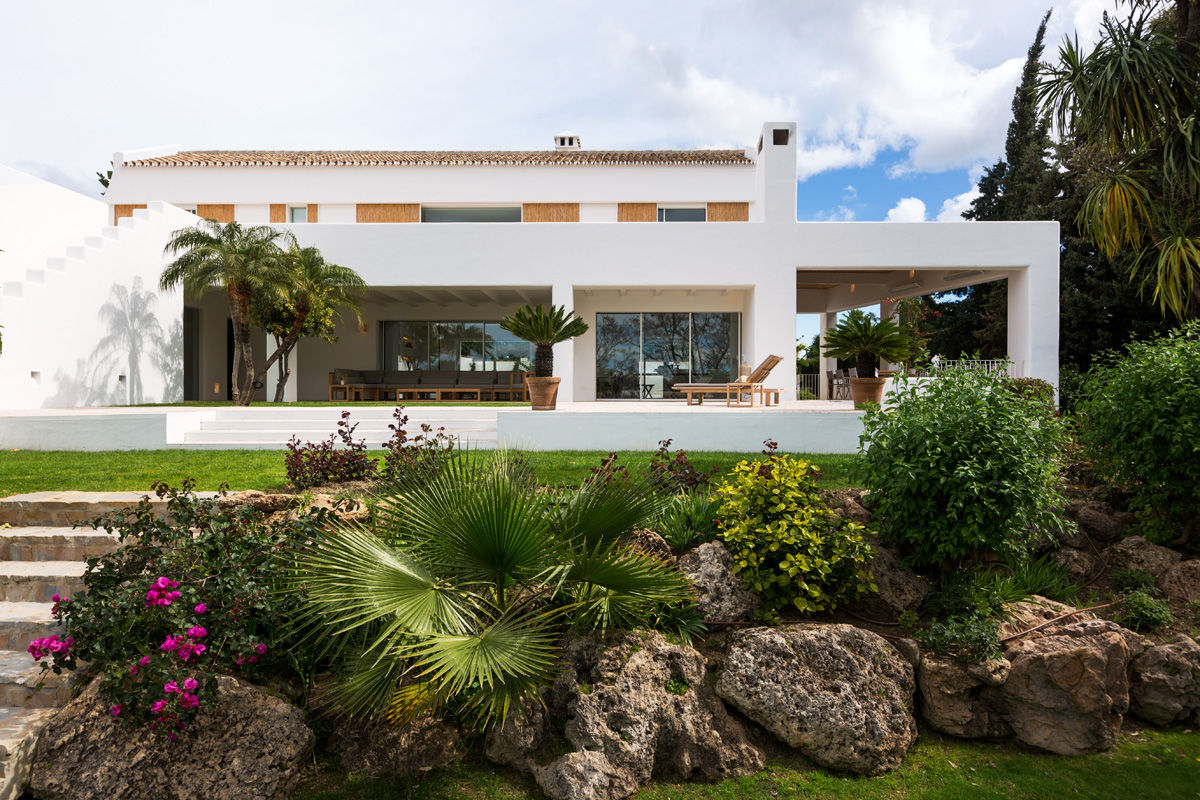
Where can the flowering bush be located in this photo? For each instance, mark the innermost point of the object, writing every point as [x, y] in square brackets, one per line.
[186, 597]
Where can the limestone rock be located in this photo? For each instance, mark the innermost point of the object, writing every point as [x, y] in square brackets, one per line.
[1078, 564]
[1034, 611]
[1101, 522]
[961, 699]
[1139, 554]
[1068, 686]
[650, 543]
[899, 588]
[1165, 683]
[377, 749]
[720, 594]
[245, 745]
[1181, 583]
[633, 708]
[839, 694]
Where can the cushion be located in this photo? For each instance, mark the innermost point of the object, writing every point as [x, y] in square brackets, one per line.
[397, 377]
[477, 378]
[438, 378]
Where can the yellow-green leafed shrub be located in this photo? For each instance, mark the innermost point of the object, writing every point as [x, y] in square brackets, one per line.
[787, 544]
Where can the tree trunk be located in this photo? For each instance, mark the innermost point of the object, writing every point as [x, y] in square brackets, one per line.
[234, 315]
[285, 371]
[285, 346]
[241, 330]
[543, 361]
[865, 365]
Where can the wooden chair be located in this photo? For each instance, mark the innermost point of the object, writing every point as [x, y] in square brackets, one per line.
[746, 385]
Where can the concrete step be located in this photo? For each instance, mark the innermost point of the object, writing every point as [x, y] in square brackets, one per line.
[21, 623]
[39, 543]
[323, 427]
[358, 412]
[39, 581]
[19, 729]
[474, 441]
[23, 683]
[59, 509]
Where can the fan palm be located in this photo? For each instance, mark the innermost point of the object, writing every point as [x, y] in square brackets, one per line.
[545, 328]
[313, 293]
[1135, 95]
[864, 337]
[241, 261]
[460, 592]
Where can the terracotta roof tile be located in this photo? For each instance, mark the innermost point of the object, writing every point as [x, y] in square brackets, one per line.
[339, 158]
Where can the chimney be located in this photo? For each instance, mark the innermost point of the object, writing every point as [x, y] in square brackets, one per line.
[566, 141]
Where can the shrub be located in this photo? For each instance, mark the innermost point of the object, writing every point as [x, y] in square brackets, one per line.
[324, 462]
[422, 454]
[1142, 611]
[967, 637]
[1034, 389]
[183, 598]
[787, 543]
[1140, 421]
[672, 472]
[688, 520]
[961, 466]
[1131, 580]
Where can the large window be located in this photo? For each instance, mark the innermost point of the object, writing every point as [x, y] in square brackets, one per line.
[471, 214]
[452, 345]
[643, 355]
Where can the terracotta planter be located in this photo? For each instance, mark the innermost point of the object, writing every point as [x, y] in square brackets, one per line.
[866, 390]
[543, 393]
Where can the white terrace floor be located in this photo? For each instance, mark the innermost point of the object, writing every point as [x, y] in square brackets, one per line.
[812, 426]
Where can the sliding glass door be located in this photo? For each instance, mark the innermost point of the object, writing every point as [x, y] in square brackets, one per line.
[643, 355]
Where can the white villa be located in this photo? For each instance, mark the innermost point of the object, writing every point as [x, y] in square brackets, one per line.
[684, 263]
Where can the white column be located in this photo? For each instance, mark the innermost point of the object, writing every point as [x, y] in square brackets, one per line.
[828, 320]
[1033, 317]
[773, 330]
[563, 294]
[887, 310]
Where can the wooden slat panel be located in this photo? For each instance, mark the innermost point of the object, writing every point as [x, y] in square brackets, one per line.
[387, 212]
[637, 212]
[219, 212]
[728, 212]
[550, 212]
[120, 211]
[312, 212]
[278, 212]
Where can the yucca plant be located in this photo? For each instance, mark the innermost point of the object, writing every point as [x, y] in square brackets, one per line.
[864, 337]
[460, 592]
[545, 328]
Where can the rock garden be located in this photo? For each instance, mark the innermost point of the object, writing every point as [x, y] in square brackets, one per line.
[1003, 574]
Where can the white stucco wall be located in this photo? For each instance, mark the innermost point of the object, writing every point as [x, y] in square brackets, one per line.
[39, 220]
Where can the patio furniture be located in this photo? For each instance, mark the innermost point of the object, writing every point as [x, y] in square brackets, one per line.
[839, 387]
[443, 384]
[747, 385]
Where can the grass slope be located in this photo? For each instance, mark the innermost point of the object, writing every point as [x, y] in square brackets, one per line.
[1150, 764]
[134, 470]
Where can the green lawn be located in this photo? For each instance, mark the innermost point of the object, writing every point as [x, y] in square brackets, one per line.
[1152, 764]
[134, 470]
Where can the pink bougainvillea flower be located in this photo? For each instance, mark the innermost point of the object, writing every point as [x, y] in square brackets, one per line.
[158, 705]
[162, 583]
[260, 648]
[55, 597]
[190, 684]
[171, 643]
[196, 632]
[116, 710]
[170, 687]
[200, 608]
[189, 701]
[143, 661]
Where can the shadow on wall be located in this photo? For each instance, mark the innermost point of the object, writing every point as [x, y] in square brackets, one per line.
[134, 334]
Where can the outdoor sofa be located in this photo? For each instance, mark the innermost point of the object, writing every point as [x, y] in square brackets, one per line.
[438, 384]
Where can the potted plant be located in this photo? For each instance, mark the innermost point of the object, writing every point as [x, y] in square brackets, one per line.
[864, 338]
[544, 328]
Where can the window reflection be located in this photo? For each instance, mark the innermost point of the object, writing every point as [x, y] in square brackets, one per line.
[643, 355]
[409, 345]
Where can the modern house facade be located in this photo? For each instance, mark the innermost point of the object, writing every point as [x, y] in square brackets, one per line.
[683, 263]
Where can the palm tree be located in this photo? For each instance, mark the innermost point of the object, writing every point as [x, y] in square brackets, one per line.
[314, 292]
[1134, 99]
[864, 337]
[545, 329]
[131, 323]
[462, 590]
[242, 262]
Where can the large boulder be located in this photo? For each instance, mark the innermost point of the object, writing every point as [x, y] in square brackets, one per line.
[1078, 564]
[1036, 610]
[962, 699]
[841, 695]
[1068, 687]
[245, 745]
[631, 709]
[1166, 683]
[1101, 522]
[377, 749]
[898, 589]
[1136, 553]
[721, 595]
[1181, 583]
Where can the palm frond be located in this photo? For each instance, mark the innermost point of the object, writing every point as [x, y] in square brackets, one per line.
[595, 515]
[544, 326]
[1116, 213]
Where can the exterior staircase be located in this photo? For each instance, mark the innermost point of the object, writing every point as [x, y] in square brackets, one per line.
[41, 554]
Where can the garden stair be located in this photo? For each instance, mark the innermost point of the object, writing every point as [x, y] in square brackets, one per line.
[40, 554]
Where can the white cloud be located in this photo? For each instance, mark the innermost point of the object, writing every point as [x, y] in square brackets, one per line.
[909, 209]
[953, 207]
[841, 213]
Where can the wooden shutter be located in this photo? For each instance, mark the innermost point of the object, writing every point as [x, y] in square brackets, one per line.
[312, 212]
[728, 212]
[550, 212]
[637, 212]
[218, 212]
[387, 212]
[120, 211]
[278, 212]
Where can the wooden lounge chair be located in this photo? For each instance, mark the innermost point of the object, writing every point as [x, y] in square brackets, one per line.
[748, 386]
